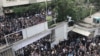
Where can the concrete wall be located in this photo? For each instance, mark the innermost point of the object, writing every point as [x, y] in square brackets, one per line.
[97, 32]
[32, 1]
[1, 9]
[14, 3]
[60, 33]
[23, 43]
[19, 2]
[36, 32]
[43, 0]
[41, 30]
[1, 3]
[32, 34]
[31, 31]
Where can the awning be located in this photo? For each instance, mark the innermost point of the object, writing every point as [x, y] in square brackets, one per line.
[81, 31]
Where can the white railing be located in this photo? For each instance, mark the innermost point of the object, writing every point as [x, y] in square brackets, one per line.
[11, 38]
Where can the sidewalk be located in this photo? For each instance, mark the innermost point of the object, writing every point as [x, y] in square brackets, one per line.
[90, 19]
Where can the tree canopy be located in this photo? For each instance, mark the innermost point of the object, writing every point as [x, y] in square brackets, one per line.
[74, 8]
[77, 9]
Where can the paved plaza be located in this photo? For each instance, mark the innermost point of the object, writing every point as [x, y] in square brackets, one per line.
[90, 19]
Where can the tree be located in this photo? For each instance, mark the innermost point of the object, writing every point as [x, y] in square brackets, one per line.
[74, 8]
[62, 6]
[19, 10]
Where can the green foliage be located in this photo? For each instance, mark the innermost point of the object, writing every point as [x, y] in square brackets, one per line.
[19, 10]
[33, 7]
[96, 3]
[49, 18]
[71, 8]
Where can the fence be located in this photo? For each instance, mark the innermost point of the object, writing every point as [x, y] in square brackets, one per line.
[11, 38]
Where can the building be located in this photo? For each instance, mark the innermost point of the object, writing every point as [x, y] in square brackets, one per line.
[34, 33]
[8, 3]
[1, 10]
[30, 34]
[11, 3]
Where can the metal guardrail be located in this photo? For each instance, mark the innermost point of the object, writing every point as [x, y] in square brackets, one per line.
[11, 38]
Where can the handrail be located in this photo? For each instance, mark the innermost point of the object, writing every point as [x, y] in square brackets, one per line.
[13, 33]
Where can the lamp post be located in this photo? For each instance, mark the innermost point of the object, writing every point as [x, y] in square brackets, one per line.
[91, 7]
[88, 2]
[91, 10]
[46, 6]
[55, 17]
[55, 20]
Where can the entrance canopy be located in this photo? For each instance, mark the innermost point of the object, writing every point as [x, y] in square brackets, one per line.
[81, 31]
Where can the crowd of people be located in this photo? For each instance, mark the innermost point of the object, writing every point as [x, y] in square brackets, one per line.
[80, 46]
[12, 23]
[41, 47]
[14, 37]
